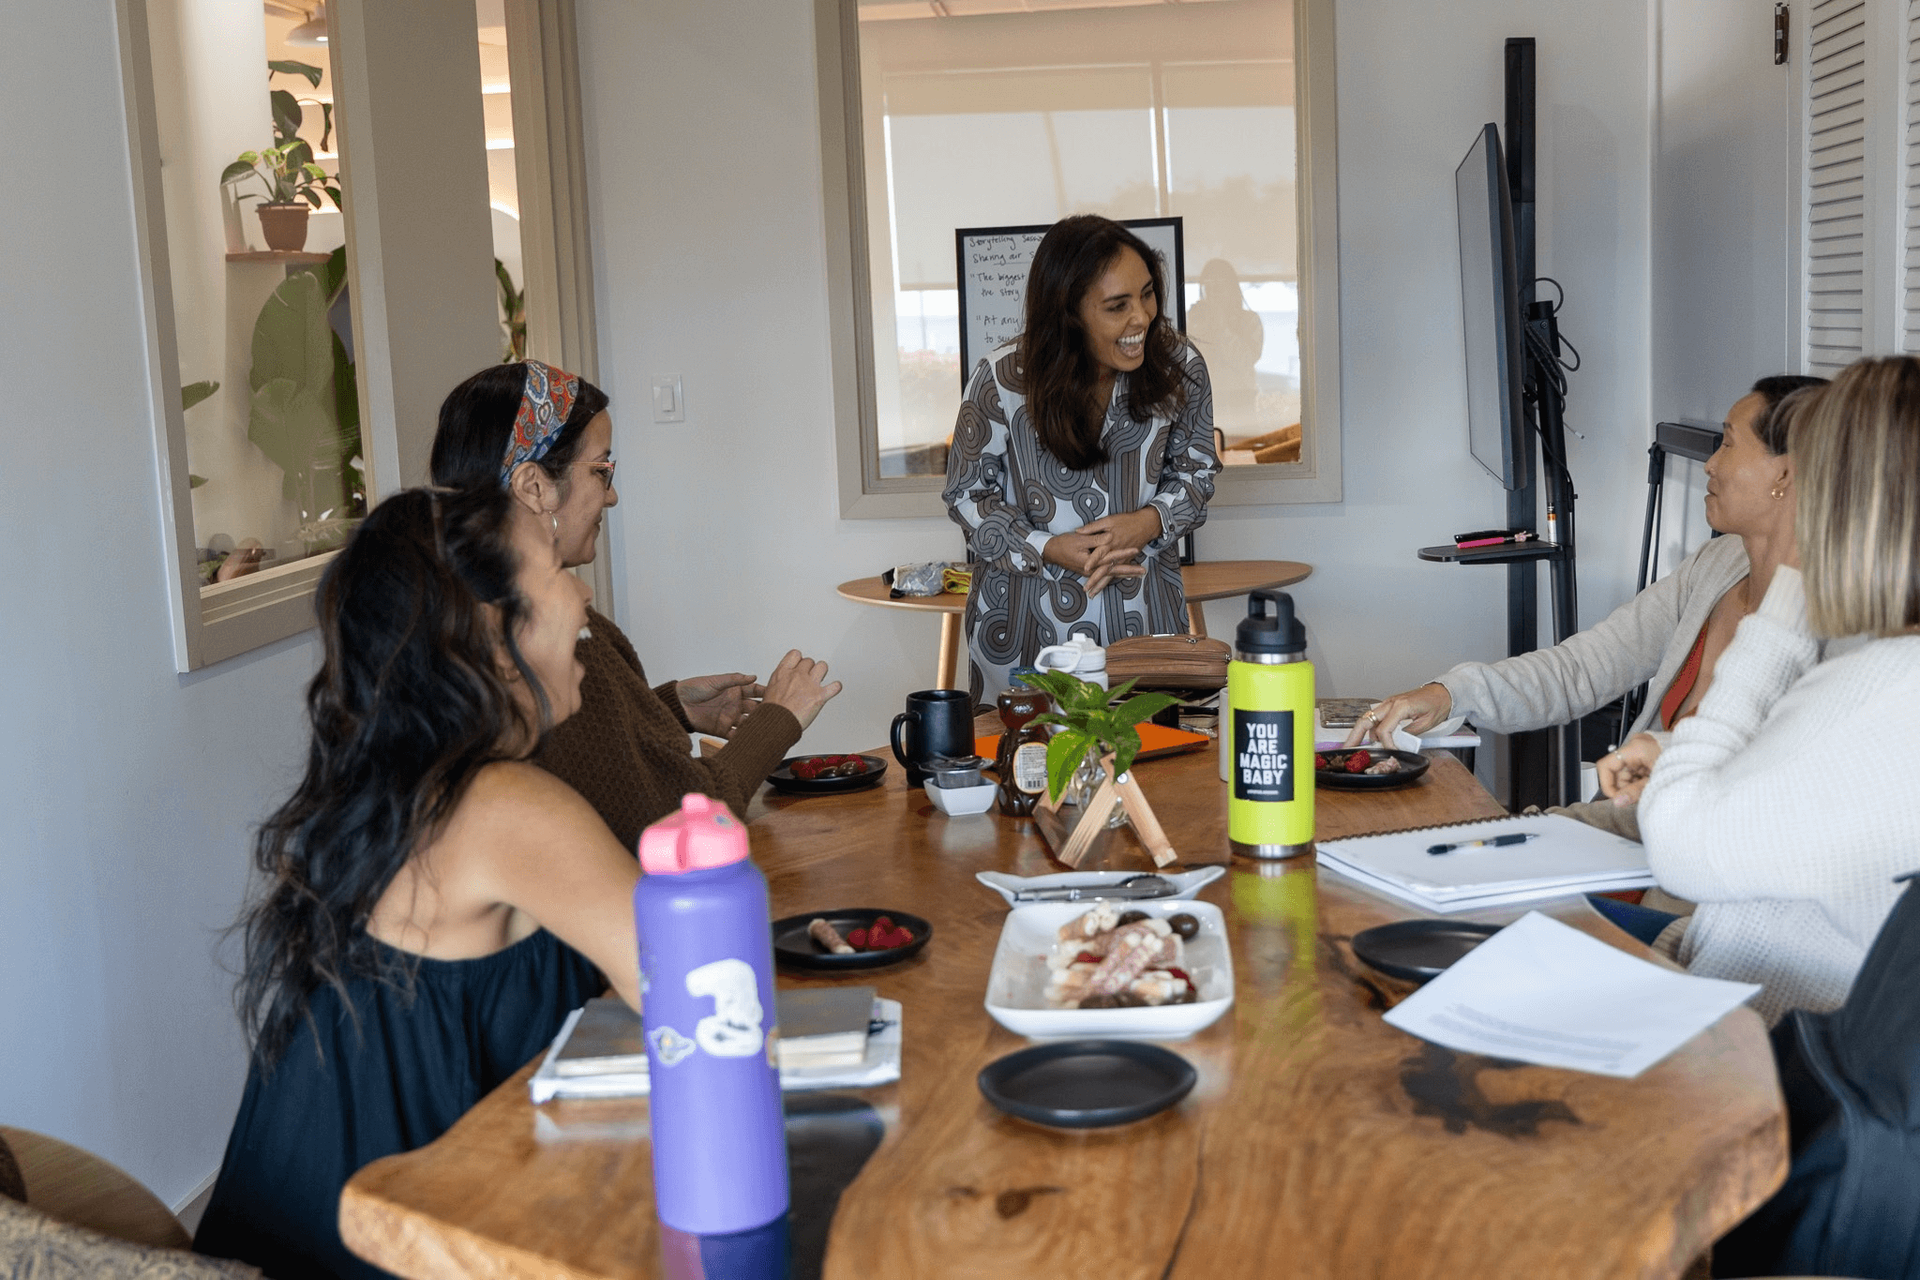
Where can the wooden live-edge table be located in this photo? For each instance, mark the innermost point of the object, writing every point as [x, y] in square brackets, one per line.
[1208, 580]
[1320, 1142]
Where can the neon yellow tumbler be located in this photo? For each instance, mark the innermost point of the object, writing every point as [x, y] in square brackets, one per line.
[1270, 718]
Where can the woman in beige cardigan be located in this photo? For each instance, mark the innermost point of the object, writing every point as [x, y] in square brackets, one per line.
[1670, 635]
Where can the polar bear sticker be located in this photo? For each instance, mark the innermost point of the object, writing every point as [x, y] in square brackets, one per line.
[733, 1029]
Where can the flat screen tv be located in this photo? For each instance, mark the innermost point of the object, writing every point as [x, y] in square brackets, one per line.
[1490, 312]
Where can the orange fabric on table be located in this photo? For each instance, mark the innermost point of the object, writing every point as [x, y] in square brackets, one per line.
[1155, 740]
[1684, 682]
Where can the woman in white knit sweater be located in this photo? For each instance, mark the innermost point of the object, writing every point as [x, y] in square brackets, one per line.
[1786, 805]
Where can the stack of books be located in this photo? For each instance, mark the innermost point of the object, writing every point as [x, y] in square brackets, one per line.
[1489, 863]
[830, 1037]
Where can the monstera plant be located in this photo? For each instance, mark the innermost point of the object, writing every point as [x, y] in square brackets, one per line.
[305, 410]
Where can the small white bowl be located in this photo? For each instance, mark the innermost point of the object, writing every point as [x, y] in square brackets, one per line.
[958, 802]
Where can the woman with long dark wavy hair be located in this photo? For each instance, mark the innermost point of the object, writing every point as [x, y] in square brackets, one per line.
[1082, 454]
[532, 430]
[429, 904]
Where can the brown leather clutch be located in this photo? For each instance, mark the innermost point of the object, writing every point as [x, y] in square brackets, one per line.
[1174, 662]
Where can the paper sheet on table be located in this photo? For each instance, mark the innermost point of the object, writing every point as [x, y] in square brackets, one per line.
[1543, 992]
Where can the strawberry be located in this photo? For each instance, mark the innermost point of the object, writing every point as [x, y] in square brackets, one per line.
[883, 923]
[1319, 761]
[1086, 957]
[1358, 761]
[857, 939]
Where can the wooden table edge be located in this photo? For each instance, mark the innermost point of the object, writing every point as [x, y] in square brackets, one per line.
[420, 1246]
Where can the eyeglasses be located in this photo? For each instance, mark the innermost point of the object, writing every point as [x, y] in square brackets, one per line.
[602, 469]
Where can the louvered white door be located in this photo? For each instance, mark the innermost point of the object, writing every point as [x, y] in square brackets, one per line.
[1909, 337]
[1835, 232]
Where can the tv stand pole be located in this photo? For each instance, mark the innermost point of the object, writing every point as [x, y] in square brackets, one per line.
[1543, 764]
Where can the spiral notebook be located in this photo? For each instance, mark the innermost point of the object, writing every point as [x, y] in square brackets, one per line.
[1563, 857]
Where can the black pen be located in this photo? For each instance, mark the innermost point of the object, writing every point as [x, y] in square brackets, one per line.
[1518, 837]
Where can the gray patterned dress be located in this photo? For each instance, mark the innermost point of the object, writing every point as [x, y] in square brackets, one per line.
[1011, 495]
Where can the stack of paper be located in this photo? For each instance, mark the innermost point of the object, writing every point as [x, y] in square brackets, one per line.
[614, 1070]
[1561, 857]
[1539, 991]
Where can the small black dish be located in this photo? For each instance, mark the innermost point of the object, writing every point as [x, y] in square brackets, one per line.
[1087, 1084]
[783, 780]
[794, 946]
[1419, 950]
[1412, 767]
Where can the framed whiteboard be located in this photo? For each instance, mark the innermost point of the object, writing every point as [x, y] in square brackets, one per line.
[992, 270]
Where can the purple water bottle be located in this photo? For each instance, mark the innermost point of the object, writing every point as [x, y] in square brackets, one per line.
[706, 979]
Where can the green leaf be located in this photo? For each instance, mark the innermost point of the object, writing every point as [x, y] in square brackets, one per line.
[287, 115]
[194, 481]
[1126, 745]
[1064, 754]
[1143, 707]
[346, 396]
[326, 126]
[288, 67]
[194, 392]
[290, 338]
[334, 274]
[239, 168]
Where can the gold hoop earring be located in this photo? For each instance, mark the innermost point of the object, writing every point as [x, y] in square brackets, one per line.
[1779, 491]
[555, 517]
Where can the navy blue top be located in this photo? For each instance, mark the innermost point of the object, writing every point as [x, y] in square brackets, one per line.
[397, 1082]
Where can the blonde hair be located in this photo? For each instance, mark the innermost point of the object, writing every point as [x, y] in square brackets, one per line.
[1856, 460]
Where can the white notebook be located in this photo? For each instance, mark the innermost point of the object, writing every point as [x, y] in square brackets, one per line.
[1563, 857]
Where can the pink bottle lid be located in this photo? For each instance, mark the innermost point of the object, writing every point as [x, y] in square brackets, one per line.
[702, 835]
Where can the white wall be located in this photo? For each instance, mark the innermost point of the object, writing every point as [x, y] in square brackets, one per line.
[710, 240]
[1723, 191]
[127, 789]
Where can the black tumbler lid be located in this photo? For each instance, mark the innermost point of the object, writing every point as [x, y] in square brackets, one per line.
[1270, 631]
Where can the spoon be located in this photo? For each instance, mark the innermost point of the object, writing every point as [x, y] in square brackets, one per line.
[1133, 888]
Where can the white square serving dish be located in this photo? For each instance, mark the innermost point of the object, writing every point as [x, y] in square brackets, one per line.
[1017, 983]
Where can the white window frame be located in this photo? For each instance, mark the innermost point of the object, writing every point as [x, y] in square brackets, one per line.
[865, 494]
[448, 336]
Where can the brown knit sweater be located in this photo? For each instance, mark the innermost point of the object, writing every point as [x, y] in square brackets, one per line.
[626, 748]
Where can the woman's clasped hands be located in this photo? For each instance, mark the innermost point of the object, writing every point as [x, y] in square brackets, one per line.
[1108, 548]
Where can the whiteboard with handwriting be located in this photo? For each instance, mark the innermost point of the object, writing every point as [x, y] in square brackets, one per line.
[993, 264]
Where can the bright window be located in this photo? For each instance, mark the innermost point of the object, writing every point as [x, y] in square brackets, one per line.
[982, 113]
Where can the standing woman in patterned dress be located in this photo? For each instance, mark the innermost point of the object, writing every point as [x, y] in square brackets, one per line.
[1082, 454]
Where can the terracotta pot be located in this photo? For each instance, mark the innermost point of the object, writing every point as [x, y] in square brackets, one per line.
[284, 226]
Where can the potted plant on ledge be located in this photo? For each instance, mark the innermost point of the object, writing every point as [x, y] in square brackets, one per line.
[293, 182]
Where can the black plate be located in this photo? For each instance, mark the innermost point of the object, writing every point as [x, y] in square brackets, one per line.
[1418, 950]
[1086, 1084]
[783, 780]
[1414, 766]
[793, 945]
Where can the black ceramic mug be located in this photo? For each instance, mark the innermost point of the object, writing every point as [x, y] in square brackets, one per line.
[936, 723]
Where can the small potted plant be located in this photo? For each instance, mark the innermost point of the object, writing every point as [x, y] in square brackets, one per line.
[293, 182]
[1091, 755]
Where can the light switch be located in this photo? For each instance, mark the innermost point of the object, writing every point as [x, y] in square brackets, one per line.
[668, 404]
